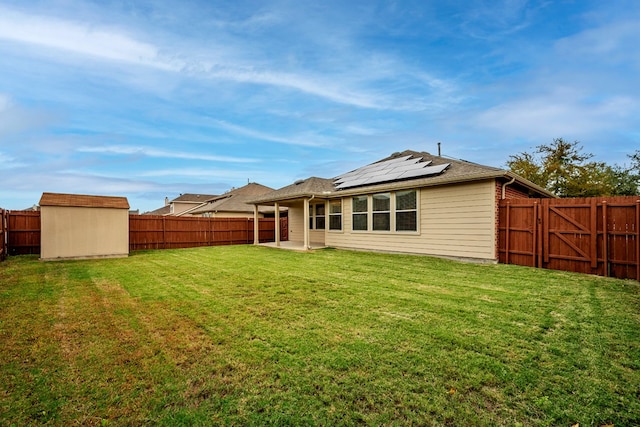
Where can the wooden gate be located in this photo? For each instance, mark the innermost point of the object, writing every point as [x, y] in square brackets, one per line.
[23, 232]
[593, 235]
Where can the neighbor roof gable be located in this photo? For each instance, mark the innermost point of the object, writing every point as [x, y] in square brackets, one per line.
[193, 198]
[236, 200]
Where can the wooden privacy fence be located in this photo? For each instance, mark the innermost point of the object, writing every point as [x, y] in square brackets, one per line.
[164, 232]
[20, 232]
[23, 232]
[599, 235]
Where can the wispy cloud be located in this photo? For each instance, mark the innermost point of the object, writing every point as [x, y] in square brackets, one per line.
[308, 141]
[15, 118]
[154, 152]
[80, 38]
[556, 114]
[233, 63]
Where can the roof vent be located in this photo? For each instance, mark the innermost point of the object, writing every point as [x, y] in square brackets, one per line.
[298, 182]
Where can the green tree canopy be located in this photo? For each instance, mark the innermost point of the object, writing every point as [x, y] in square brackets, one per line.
[562, 168]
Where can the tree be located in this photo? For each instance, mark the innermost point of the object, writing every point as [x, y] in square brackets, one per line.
[562, 168]
[628, 179]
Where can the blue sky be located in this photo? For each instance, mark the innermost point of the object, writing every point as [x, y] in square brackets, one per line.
[147, 99]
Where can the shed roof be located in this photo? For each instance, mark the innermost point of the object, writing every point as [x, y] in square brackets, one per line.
[83, 201]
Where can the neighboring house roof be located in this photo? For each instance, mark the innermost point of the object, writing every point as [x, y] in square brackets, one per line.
[437, 171]
[83, 201]
[193, 198]
[236, 200]
[196, 200]
[165, 210]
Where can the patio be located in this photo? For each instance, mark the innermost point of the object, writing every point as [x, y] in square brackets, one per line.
[293, 246]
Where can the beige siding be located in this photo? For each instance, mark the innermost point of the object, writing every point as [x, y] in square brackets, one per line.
[71, 232]
[296, 223]
[316, 237]
[456, 221]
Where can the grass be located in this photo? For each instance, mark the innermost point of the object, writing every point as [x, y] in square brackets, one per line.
[247, 335]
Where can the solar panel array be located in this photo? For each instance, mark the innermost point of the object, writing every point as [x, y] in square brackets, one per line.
[388, 171]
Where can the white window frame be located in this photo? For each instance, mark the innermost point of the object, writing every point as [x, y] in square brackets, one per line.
[388, 196]
[336, 214]
[392, 213]
[396, 211]
[366, 213]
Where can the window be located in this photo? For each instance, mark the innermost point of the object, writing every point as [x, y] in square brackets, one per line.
[316, 217]
[392, 211]
[360, 212]
[335, 215]
[320, 217]
[406, 211]
[382, 212]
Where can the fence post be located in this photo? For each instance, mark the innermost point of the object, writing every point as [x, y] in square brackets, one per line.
[638, 240]
[3, 230]
[506, 233]
[164, 233]
[534, 248]
[594, 233]
[545, 231]
[605, 237]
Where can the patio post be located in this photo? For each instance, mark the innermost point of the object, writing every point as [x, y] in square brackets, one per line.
[256, 226]
[305, 222]
[277, 223]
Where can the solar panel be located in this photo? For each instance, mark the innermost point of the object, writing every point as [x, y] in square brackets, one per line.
[387, 171]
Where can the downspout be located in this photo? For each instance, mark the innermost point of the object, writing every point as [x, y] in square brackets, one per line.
[504, 187]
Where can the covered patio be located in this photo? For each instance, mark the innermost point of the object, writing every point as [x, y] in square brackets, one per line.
[303, 200]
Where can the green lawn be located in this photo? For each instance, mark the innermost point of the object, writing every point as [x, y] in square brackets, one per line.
[248, 335]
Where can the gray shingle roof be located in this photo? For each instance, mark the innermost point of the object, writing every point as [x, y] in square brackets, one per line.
[193, 198]
[236, 200]
[459, 171]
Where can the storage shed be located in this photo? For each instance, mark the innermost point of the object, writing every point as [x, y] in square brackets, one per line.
[76, 226]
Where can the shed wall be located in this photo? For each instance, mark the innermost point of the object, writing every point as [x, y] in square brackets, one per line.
[72, 232]
[455, 221]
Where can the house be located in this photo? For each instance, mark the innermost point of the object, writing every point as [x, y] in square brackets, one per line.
[181, 205]
[236, 203]
[410, 202]
[77, 226]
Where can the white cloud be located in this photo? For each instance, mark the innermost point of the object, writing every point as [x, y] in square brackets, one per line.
[350, 83]
[556, 114]
[77, 37]
[607, 43]
[15, 118]
[154, 152]
[307, 141]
